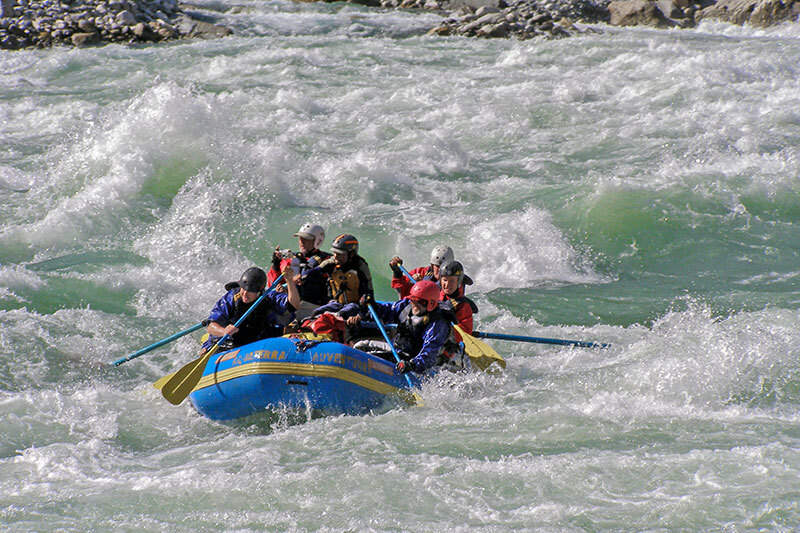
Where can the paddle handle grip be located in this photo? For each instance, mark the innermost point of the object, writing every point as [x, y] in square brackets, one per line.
[540, 340]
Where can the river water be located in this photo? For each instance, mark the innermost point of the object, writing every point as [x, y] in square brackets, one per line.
[635, 187]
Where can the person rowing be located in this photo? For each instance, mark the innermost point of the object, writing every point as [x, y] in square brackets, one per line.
[265, 321]
[423, 337]
[349, 278]
[440, 254]
[453, 282]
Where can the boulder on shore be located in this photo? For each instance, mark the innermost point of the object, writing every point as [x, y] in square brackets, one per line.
[755, 12]
[683, 13]
[44, 23]
[637, 13]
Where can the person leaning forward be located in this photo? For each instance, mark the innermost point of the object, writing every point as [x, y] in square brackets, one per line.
[263, 322]
[423, 338]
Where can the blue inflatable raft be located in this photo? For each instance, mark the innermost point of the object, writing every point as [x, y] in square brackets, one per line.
[295, 373]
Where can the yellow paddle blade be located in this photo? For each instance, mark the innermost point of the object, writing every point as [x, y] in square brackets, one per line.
[410, 397]
[178, 385]
[481, 354]
[160, 383]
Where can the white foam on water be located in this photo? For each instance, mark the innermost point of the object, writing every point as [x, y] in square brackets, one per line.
[522, 249]
[196, 165]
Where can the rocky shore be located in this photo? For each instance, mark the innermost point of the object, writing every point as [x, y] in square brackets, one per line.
[525, 19]
[40, 24]
[31, 23]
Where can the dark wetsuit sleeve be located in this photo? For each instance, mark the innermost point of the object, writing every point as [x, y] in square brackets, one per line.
[365, 280]
[223, 309]
[280, 302]
[432, 345]
[221, 314]
[389, 311]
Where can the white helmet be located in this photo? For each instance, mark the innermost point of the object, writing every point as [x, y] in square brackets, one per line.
[311, 231]
[441, 254]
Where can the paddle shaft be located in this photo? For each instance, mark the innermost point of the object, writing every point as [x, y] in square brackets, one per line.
[155, 345]
[250, 310]
[478, 351]
[500, 336]
[540, 340]
[178, 387]
[378, 322]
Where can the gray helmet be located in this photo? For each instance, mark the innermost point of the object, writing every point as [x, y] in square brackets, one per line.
[441, 254]
[345, 244]
[253, 280]
[311, 231]
[454, 268]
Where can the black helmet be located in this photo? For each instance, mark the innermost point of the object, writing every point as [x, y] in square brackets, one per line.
[253, 280]
[454, 268]
[345, 243]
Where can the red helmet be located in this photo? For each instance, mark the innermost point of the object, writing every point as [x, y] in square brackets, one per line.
[426, 293]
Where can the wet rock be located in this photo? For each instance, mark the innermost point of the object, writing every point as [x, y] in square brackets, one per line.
[670, 9]
[125, 18]
[84, 39]
[6, 8]
[637, 13]
[83, 22]
[755, 12]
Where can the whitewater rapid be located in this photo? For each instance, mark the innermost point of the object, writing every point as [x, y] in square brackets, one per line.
[636, 187]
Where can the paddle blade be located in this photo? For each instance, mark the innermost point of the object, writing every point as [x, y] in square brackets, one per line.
[480, 354]
[411, 397]
[183, 382]
[160, 383]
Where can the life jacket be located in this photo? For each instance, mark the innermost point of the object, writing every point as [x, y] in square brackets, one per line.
[257, 325]
[429, 275]
[454, 355]
[312, 285]
[411, 328]
[343, 286]
[329, 324]
[454, 302]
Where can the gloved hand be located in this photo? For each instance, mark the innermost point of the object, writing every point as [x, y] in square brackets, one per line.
[276, 259]
[396, 272]
[366, 301]
[328, 261]
[403, 367]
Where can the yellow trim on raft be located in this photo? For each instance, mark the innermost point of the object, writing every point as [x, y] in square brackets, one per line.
[296, 369]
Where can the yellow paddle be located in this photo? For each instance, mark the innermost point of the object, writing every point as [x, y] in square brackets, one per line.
[178, 385]
[160, 383]
[183, 382]
[480, 354]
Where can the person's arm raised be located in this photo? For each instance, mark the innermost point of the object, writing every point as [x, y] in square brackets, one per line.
[291, 287]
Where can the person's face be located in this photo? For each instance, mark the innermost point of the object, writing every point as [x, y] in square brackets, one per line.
[417, 307]
[449, 284]
[248, 296]
[306, 245]
[435, 269]
[340, 257]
